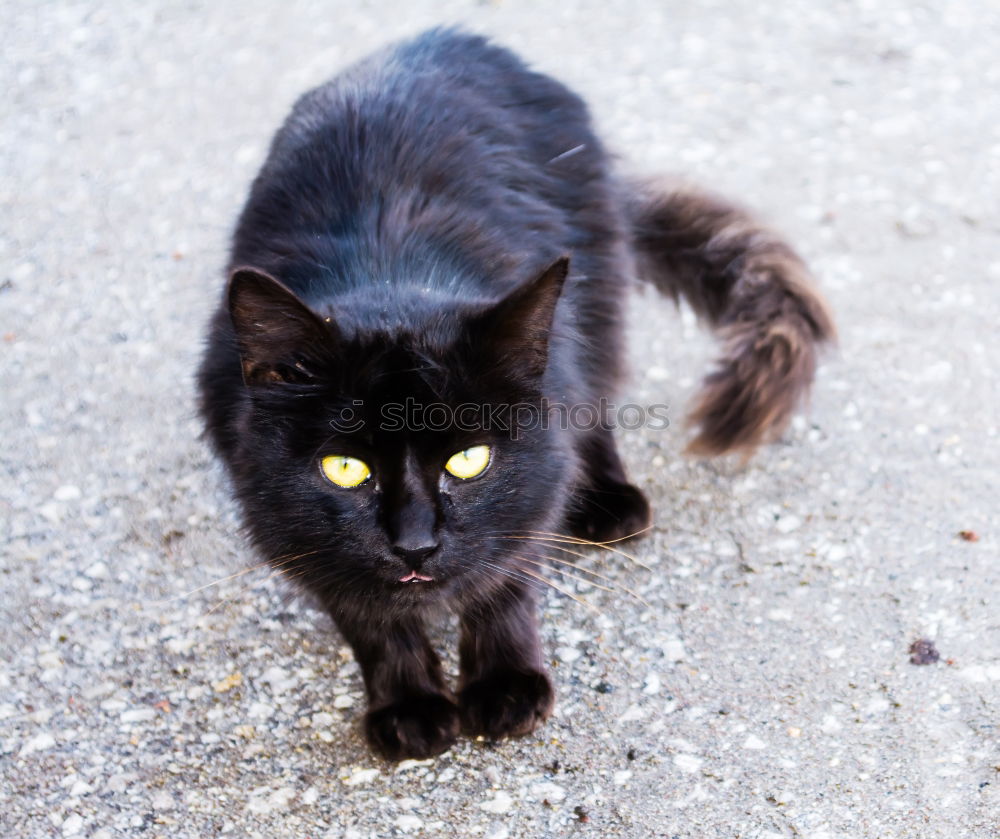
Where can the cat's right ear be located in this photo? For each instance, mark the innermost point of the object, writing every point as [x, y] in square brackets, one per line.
[517, 329]
[280, 338]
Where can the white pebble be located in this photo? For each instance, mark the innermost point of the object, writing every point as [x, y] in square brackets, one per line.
[138, 715]
[97, 571]
[980, 674]
[878, 705]
[67, 492]
[163, 800]
[568, 654]
[279, 680]
[50, 512]
[119, 783]
[673, 649]
[754, 742]
[361, 776]
[49, 660]
[549, 791]
[38, 743]
[632, 713]
[411, 763]
[246, 154]
[26, 269]
[260, 711]
[786, 524]
[836, 553]
[179, 646]
[72, 825]
[622, 776]
[784, 797]
[345, 700]
[652, 686]
[261, 802]
[408, 822]
[500, 803]
[687, 763]
[80, 788]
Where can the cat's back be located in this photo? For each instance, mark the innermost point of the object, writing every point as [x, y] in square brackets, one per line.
[442, 151]
[443, 85]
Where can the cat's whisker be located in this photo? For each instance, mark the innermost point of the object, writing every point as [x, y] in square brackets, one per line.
[609, 580]
[554, 545]
[217, 582]
[543, 563]
[570, 564]
[560, 589]
[503, 570]
[615, 586]
[554, 542]
[580, 539]
[280, 569]
[562, 538]
[278, 562]
[525, 576]
[288, 558]
[243, 589]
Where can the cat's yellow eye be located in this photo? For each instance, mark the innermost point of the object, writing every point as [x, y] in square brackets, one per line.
[468, 463]
[345, 471]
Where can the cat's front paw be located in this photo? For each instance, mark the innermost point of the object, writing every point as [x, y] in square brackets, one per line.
[506, 703]
[417, 726]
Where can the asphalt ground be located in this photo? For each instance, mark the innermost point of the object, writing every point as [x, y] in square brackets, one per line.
[766, 691]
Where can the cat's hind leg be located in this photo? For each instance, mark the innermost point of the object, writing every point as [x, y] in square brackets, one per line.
[606, 507]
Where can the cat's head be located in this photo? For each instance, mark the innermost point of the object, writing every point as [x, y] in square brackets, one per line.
[388, 449]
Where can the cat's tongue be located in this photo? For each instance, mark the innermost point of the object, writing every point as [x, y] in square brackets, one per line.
[414, 577]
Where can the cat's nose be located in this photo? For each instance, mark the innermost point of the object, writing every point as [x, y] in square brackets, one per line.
[414, 554]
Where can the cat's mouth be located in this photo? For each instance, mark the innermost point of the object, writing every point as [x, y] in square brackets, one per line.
[414, 577]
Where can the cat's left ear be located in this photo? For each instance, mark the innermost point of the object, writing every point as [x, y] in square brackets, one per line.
[517, 329]
[277, 334]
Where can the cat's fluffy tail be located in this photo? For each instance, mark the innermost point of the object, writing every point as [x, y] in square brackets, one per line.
[753, 289]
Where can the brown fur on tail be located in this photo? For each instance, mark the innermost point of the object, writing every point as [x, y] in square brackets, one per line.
[753, 289]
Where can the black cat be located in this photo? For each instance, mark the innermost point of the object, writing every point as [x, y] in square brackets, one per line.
[439, 228]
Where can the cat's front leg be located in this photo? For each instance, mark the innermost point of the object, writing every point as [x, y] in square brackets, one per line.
[504, 689]
[411, 712]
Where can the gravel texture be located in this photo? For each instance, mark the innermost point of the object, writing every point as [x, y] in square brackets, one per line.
[820, 652]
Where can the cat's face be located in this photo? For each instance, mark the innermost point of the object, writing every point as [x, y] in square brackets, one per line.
[388, 463]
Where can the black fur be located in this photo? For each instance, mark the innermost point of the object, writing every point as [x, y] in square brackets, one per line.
[406, 242]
